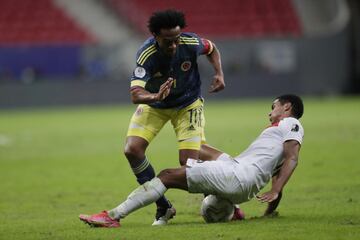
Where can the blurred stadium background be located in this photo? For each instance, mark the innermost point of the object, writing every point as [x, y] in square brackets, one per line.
[58, 162]
[66, 52]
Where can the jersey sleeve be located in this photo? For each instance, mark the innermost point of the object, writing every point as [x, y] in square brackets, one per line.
[139, 76]
[292, 130]
[202, 46]
[142, 71]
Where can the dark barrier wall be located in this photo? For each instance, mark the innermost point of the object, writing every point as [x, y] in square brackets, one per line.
[252, 68]
[44, 61]
[268, 67]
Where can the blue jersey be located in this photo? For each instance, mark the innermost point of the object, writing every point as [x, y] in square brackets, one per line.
[153, 68]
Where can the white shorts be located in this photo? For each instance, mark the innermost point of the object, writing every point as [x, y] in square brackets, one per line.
[224, 177]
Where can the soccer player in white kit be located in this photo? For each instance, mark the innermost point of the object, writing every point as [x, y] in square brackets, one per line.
[273, 155]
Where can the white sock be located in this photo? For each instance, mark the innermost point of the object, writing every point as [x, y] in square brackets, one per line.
[142, 196]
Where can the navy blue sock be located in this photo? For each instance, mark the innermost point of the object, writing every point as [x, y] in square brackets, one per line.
[145, 172]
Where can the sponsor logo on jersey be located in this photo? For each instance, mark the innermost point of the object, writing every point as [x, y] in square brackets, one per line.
[295, 128]
[185, 66]
[140, 72]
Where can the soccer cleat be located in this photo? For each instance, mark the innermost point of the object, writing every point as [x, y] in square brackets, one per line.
[238, 214]
[100, 220]
[163, 215]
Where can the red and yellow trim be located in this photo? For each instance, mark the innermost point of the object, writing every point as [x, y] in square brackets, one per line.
[208, 46]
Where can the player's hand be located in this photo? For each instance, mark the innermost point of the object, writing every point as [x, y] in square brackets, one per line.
[272, 214]
[268, 196]
[164, 90]
[218, 83]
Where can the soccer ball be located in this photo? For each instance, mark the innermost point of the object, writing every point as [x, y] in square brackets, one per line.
[216, 209]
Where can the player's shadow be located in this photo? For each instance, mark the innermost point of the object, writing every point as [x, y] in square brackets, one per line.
[254, 219]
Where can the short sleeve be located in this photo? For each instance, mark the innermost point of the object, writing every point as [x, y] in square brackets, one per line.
[142, 71]
[292, 130]
[140, 76]
[202, 46]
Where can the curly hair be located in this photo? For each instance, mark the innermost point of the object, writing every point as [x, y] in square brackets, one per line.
[296, 103]
[166, 19]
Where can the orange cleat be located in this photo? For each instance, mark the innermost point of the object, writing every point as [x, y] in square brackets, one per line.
[100, 220]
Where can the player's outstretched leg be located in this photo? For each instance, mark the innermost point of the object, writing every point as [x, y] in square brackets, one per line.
[164, 209]
[135, 153]
[142, 196]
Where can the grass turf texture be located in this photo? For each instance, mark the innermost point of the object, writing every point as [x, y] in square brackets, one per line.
[57, 163]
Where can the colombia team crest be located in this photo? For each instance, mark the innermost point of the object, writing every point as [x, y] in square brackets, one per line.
[185, 66]
[139, 111]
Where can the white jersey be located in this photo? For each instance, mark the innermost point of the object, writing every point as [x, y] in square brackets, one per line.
[266, 152]
[239, 179]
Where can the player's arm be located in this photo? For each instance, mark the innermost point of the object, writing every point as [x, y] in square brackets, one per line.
[291, 154]
[214, 58]
[270, 210]
[141, 96]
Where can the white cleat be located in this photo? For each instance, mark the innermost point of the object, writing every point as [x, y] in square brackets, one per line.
[162, 216]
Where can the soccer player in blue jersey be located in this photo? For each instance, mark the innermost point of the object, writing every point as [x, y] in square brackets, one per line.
[166, 85]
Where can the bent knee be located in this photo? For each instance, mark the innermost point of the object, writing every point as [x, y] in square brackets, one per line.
[133, 151]
[165, 172]
[174, 178]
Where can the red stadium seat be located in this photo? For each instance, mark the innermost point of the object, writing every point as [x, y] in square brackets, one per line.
[225, 18]
[38, 22]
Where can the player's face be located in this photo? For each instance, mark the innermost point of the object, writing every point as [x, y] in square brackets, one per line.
[277, 111]
[168, 40]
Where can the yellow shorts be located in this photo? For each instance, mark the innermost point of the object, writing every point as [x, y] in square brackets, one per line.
[188, 123]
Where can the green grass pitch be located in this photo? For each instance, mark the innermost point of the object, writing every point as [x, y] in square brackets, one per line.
[58, 163]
